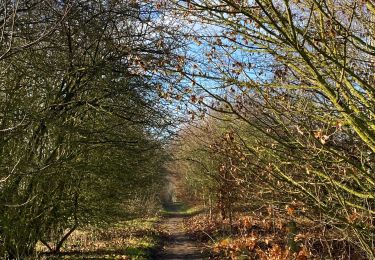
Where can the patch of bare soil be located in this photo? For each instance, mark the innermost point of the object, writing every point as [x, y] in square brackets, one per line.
[177, 244]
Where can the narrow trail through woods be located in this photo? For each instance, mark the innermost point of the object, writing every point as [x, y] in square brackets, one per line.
[178, 245]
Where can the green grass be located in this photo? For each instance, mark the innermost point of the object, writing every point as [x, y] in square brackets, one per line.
[133, 239]
[181, 209]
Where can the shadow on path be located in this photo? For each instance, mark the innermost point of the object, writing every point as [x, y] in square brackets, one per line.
[178, 245]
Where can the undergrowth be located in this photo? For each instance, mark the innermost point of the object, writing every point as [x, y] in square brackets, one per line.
[133, 239]
[263, 237]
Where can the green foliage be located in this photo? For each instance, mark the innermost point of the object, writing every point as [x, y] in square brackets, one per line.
[80, 119]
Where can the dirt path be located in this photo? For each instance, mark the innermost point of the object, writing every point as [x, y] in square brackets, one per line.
[178, 245]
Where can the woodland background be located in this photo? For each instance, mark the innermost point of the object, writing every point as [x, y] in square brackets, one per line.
[262, 111]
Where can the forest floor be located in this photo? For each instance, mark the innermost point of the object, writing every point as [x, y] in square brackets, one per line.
[182, 232]
[162, 237]
[130, 239]
[177, 244]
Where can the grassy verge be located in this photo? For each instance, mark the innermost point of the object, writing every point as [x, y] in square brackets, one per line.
[133, 239]
[181, 209]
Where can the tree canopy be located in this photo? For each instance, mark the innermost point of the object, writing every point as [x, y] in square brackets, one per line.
[252, 104]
